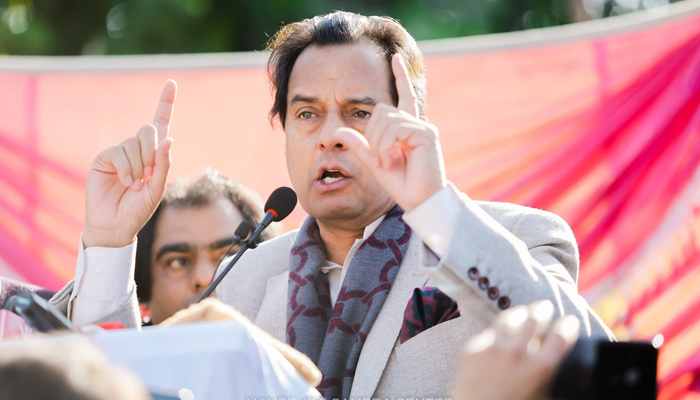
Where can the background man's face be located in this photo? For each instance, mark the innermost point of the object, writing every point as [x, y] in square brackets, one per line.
[188, 243]
[329, 88]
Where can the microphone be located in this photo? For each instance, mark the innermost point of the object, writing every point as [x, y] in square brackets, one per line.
[279, 205]
[38, 313]
[241, 233]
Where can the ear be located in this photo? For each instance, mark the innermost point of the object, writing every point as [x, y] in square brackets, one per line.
[144, 307]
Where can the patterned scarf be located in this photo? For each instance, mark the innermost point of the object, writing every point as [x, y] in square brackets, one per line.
[333, 338]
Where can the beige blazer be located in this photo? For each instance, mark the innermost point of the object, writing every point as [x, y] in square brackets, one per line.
[528, 254]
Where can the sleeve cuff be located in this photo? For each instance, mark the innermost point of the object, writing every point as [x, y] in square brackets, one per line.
[435, 221]
[107, 273]
[104, 279]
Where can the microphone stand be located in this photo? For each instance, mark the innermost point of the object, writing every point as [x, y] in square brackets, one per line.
[247, 245]
[280, 203]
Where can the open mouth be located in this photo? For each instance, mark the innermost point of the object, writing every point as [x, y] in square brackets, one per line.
[331, 175]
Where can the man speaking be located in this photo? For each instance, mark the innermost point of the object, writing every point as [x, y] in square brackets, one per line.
[355, 288]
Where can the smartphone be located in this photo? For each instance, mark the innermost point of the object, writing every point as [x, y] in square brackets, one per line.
[602, 370]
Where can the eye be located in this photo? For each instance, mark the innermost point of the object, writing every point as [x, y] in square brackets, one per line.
[363, 114]
[178, 262]
[306, 115]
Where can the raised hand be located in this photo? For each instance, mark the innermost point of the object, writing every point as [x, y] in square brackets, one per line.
[402, 150]
[127, 181]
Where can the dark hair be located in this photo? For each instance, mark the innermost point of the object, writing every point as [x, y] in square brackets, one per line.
[64, 370]
[340, 28]
[193, 194]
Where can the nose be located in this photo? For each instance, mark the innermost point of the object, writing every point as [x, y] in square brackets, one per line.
[327, 139]
[201, 274]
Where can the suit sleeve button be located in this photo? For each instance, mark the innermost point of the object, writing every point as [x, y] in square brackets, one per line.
[473, 273]
[484, 283]
[503, 302]
[493, 293]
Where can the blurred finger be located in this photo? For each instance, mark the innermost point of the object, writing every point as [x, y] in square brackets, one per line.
[147, 137]
[164, 113]
[115, 156]
[542, 312]
[376, 124]
[132, 148]
[527, 336]
[509, 321]
[380, 109]
[404, 87]
[358, 144]
[559, 341]
[393, 141]
[161, 167]
[481, 341]
[388, 118]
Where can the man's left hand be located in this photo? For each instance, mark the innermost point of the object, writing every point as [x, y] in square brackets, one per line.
[402, 150]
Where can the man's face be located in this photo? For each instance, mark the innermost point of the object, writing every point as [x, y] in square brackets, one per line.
[330, 88]
[187, 246]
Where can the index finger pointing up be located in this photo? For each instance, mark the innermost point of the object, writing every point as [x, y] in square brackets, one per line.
[164, 114]
[404, 87]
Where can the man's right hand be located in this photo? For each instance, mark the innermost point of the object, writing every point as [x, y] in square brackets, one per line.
[127, 181]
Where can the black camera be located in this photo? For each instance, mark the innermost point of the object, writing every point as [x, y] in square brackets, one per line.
[602, 370]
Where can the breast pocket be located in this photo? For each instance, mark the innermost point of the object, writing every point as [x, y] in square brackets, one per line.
[449, 335]
[424, 366]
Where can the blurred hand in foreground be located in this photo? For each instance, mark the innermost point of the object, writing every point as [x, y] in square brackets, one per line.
[127, 181]
[211, 309]
[515, 359]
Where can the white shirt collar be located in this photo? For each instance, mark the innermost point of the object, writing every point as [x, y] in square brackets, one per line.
[369, 230]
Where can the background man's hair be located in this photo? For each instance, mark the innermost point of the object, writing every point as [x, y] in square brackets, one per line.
[341, 28]
[74, 370]
[197, 193]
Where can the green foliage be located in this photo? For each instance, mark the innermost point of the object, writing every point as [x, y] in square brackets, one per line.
[54, 27]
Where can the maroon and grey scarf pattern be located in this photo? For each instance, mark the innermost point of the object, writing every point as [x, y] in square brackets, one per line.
[332, 337]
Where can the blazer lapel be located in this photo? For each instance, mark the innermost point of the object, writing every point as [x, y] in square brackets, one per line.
[385, 331]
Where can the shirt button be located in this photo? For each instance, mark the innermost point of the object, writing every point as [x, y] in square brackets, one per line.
[98, 272]
[503, 302]
[493, 293]
[473, 273]
[484, 283]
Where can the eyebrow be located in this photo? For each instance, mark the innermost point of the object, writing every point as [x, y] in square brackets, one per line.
[367, 101]
[173, 248]
[186, 247]
[304, 99]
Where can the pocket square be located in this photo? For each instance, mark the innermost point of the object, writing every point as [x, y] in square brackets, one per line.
[427, 308]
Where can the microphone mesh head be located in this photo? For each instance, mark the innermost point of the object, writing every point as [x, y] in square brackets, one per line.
[282, 201]
[244, 229]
